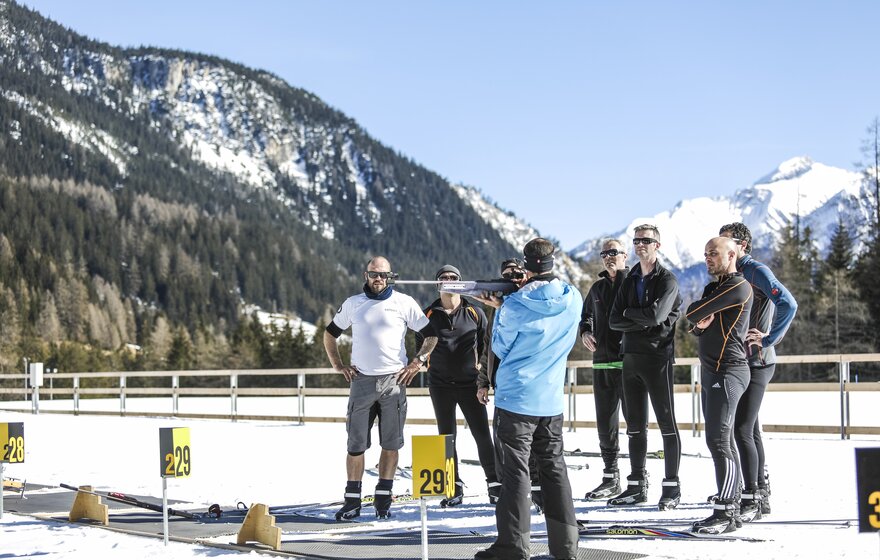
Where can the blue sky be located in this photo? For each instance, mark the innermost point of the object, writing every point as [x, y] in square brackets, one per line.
[577, 116]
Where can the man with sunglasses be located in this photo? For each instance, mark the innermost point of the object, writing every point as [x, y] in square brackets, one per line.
[452, 377]
[772, 313]
[535, 329]
[379, 374]
[645, 310]
[604, 343]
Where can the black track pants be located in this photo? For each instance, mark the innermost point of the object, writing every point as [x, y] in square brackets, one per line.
[747, 428]
[445, 399]
[720, 395]
[608, 394]
[517, 436]
[647, 376]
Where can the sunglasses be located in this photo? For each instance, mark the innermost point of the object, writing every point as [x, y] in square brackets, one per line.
[513, 275]
[372, 274]
[644, 240]
[449, 277]
[610, 253]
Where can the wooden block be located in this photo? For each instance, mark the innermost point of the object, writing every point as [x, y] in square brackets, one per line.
[89, 506]
[260, 526]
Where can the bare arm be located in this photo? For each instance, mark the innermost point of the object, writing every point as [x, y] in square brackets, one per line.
[411, 369]
[332, 350]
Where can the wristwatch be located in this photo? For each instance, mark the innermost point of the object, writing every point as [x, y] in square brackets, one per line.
[422, 358]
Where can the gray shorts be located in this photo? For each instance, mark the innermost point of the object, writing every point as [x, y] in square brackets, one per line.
[371, 397]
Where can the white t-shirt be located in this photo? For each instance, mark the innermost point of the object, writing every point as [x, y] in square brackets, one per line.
[378, 328]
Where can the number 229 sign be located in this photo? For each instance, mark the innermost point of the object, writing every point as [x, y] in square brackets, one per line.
[175, 455]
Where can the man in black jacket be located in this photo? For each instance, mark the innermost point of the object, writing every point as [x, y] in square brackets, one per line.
[452, 377]
[604, 343]
[645, 310]
[721, 319]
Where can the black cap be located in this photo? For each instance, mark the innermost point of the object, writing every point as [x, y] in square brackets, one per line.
[507, 263]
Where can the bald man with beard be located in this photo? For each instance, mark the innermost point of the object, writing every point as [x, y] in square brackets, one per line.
[720, 320]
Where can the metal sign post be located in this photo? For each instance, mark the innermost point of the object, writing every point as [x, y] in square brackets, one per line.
[175, 461]
[433, 474]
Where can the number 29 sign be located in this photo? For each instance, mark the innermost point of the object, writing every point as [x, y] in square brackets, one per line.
[175, 455]
[433, 466]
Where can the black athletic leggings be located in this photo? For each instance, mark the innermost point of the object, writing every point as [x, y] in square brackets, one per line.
[445, 399]
[720, 395]
[747, 431]
[643, 376]
[608, 394]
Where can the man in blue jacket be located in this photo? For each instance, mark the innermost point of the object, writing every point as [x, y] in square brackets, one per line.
[535, 329]
[771, 315]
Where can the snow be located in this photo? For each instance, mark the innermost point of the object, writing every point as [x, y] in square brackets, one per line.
[813, 477]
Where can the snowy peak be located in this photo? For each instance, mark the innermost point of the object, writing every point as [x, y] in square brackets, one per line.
[816, 193]
[789, 169]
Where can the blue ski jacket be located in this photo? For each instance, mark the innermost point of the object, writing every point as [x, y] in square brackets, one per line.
[535, 329]
[768, 290]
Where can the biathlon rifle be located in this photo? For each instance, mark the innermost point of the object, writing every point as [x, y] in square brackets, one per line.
[213, 512]
[499, 287]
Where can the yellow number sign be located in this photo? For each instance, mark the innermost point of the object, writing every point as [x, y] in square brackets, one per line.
[175, 455]
[433, 466]
[868, 488]
[12, 442]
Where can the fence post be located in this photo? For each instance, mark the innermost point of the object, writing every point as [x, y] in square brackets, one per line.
[572, 405]
[843, 368]
[76, 395]
[695, 401]
[301, 398]
[122, 395]
[233, 398]
[175, 400]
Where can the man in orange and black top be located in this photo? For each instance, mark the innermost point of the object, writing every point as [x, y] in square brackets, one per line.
[721, 321]
[452, 377]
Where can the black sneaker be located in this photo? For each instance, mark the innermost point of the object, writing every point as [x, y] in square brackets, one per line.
[538, 498]
[721, 520]
[671, 495]
[610, 486]
[456, 499]
[636, 493]
[494, 492]
[351, 508]
[382, 503]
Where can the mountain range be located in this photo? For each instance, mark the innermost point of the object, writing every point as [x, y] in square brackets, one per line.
[194, 187]
[799, 193]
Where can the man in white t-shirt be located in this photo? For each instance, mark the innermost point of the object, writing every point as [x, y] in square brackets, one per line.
[379, 373]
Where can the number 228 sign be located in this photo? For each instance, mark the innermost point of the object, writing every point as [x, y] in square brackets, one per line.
[175, 455]
[12, 442]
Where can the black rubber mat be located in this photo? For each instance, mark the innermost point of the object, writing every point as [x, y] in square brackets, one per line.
[407, 545]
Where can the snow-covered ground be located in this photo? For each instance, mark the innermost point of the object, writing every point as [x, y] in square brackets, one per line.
[813, 478]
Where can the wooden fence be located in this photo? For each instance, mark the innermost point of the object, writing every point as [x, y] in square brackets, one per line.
[232, 390]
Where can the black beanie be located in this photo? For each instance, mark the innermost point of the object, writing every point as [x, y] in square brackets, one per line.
[447, 268]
